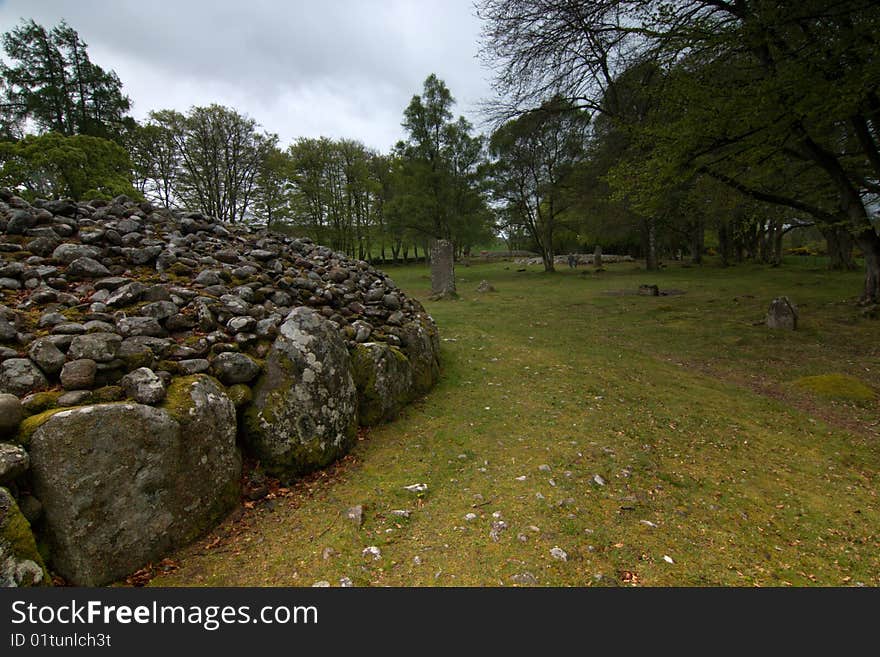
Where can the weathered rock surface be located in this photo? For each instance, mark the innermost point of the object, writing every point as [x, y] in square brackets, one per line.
[304, 412]
[20, 563]
[106, 300]
[383, 376]
[122, 484]
[782, 314]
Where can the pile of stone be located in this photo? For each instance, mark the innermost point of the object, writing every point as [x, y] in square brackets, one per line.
[580, 259]
[141, 349]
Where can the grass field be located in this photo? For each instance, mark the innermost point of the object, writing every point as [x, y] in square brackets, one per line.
[668, 440]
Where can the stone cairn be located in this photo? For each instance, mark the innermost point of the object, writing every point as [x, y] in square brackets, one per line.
[142, 350]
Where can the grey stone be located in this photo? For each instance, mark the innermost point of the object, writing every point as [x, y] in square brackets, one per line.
[87, 268]
[782, 314]
[131, 326]
[7, 331]
[442, 268]
[20, 562]
[100, 347]
[18, 376]
[9, 284]
[124, 484]
[47, 355]
[14, 462]
[304, 413]
[68, 252]
[78, 374]
[160, 309]
[208, 277]
[194, 365]
[485, 286]
[11, 414]
[383, 376]
[143, 386]
[69, 328]
[421, 346]
[74, 398]
[231, 367]
[126, 295]
[355, 514]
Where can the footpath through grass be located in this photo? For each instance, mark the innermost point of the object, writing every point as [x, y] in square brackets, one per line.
[652, 440]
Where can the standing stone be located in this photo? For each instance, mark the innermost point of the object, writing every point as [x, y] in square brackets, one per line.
[124, 484]
[597, 257]
[782, 314]
[442, 269]
[304, 413]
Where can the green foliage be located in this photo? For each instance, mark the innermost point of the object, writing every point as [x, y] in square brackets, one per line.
[51, 81]
[536, 155]
[55, 166]
[440, 173]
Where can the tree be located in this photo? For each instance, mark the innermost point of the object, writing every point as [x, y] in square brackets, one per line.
[272, 196]
[156, 157]
[220, 154]
[753, 87]
[52, 82]
[56, 166]
[439, 191]
[535, 156]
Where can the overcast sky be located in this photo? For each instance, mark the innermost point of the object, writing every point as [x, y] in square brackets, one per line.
[337, 68]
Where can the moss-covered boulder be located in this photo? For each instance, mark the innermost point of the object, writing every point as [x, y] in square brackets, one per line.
[421, 344]
[304, 412]
[20, 562]
[841, 387]
[383, 376]
[124, 483]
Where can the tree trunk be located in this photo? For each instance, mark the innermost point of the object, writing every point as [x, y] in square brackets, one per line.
[839, 243]
[651, 261]
[698, 242]
[869, 242]
[724, 243]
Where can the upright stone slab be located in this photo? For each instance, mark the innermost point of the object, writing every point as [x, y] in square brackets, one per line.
[782, 314]
[304, 412]
[123, 484]
[597, 257]
[442, 269]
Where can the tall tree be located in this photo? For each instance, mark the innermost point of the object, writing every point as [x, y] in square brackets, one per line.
[535, 157]
[51, 81]
[793, 84]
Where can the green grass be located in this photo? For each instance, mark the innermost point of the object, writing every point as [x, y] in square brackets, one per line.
[683, 405]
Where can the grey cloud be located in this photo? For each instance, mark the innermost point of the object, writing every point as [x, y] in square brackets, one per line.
[333, 68]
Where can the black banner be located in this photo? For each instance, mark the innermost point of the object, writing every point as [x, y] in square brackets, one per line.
[287, 620]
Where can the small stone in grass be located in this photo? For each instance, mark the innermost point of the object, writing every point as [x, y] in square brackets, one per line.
[559, 554]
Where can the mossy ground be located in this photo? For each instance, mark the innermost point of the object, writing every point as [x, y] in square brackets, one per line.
[681, 404]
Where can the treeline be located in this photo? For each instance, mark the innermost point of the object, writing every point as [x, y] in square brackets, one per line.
[66, 132]
[751, 118]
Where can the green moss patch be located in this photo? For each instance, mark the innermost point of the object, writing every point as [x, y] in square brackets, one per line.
[836, 386]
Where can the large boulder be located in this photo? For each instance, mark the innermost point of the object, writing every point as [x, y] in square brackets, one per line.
[20, 563]
[383, 376]
[304, 412]
[421, 344]
[124, 483]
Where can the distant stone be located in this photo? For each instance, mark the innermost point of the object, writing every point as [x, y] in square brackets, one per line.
[133, 326]
[68, 252]
[485, 286]
[782, 314]
[524, 579]
[649, 290]
[599, 480]
[372, 552]
[355, 514]
[559, 554]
